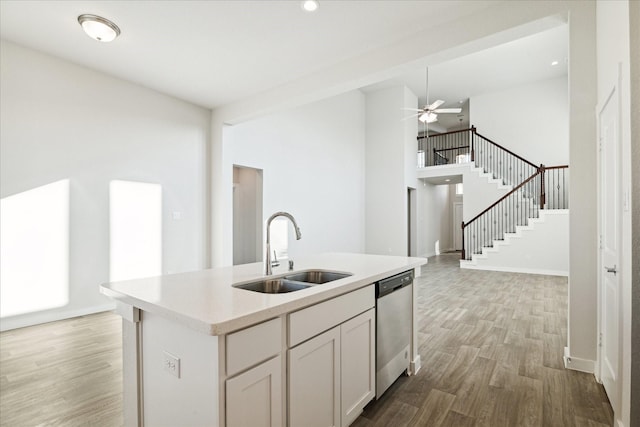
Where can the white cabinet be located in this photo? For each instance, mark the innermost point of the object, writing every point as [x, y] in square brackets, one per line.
[332, 376]
[314, 381]
[357, 365]
[254, 398]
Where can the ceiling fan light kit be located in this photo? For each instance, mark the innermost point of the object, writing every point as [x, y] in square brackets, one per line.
[428, 117]
[429, 113]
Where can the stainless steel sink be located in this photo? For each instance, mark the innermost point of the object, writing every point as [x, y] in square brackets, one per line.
[272, 286]
[292, 282]
[317, 276]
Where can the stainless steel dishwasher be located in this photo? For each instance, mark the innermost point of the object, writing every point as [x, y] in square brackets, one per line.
[394, 297]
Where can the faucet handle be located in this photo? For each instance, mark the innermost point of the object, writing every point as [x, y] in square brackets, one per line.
[290, 264]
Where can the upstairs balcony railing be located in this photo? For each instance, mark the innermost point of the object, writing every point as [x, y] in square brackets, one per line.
[468, 145]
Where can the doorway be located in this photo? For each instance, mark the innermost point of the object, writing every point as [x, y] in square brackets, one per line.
[457, 229]
[412, 248]
[247, 215]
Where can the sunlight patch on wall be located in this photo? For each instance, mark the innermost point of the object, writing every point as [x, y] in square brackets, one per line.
[135, 220]
[34, 249]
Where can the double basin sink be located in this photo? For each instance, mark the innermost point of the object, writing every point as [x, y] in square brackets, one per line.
[292, 282]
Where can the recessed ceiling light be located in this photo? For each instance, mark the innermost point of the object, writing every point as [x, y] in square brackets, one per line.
[310, 5]
[554, 63]
[447, 180]
[99, 28]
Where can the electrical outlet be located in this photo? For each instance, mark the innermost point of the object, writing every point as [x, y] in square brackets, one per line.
[171, 364]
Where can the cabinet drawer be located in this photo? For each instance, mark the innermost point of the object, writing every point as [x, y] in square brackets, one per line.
[318, 318]
[251, 346]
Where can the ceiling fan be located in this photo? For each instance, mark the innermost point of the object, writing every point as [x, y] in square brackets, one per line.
[429, 113]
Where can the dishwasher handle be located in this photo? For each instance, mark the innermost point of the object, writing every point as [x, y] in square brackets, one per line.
[391, 284]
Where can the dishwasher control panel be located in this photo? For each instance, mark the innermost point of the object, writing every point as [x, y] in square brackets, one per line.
[392, 283]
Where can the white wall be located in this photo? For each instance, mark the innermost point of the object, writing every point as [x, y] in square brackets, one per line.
[530, 120]
[63, 121]
[480, 192]
[391, 149]
[634, 31]
[613, 47]
[540, 248]
[312, 159]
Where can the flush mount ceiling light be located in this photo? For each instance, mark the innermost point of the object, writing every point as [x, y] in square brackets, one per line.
[310, 5]
[99, 28]
[554, 63]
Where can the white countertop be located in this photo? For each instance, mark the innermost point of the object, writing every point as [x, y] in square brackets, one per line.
[205, 300]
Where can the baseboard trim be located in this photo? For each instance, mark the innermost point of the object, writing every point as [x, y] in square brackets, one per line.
[415, 365]
[32, 319]
[516, 270]
[577, 364]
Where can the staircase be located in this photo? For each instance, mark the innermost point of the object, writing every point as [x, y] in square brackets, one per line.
[535, 190]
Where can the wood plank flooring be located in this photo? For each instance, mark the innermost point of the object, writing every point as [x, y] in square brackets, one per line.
[66, 373]
[491, 346]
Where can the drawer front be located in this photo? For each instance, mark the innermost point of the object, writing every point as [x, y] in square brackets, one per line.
[311, 321]
[253, 345]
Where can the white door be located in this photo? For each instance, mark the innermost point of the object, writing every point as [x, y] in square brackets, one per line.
[457, 229]
[609, 243]
[314, 381]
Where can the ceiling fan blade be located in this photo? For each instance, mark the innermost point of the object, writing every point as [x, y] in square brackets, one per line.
[413, 109]
[448, 110]
[436, 104]
[413, 116]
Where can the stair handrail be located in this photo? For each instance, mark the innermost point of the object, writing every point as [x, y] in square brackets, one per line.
[475, 218]
[540, 171]
[473, 130]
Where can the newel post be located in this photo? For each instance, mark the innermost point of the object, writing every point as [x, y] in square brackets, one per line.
[463, 257]
[473, 137]
[543, 195]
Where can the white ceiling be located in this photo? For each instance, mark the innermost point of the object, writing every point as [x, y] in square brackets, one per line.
[214, 53]
[522, 61]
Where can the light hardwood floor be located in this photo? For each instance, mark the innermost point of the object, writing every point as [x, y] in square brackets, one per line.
[66, 373]
[491, 347]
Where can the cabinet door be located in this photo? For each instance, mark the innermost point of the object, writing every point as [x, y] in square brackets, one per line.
[254, 398]
[357, 365]
[314, 381]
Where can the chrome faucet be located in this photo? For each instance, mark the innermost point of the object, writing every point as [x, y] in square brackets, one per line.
[271, 218]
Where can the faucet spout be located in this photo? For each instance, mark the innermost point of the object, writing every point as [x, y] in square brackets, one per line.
[268, 270]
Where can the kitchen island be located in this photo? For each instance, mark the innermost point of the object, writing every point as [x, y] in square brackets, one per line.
[198, 351]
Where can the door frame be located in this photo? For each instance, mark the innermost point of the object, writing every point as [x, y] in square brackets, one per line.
[456, 224]
[613, 95]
